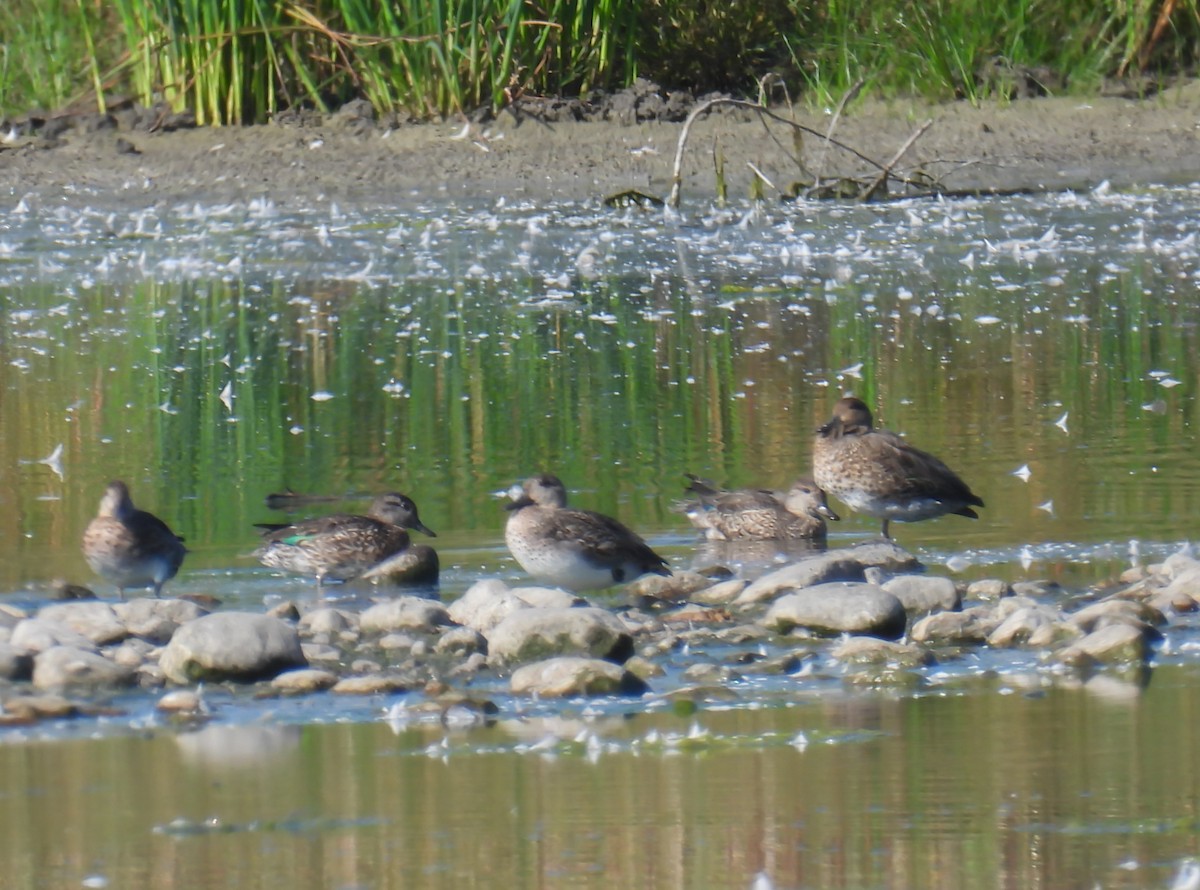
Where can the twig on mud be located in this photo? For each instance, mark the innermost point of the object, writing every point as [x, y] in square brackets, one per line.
[677, 171]
[884, 173]
[847, 97]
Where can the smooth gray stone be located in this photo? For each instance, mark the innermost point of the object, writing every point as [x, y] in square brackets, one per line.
[839, 607]
[157, 619]
[404, 613]
[1112, 644]
[60, 667]
[538, 634]
[95, 620]
[38, 635]
[485, 604]
[969, 626]
[239, 646]
[568, 676]
[1032, 626]
[327, 621]
[924, 594]
[845, 564]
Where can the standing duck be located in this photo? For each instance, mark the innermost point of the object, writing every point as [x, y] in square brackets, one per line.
[130, 547]
[342, 546]
[753, 514]
[878, 473]
[575, 549]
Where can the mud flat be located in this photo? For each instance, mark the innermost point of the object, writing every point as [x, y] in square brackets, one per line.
[1046, 143]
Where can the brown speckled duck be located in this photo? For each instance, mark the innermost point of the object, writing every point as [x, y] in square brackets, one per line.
[754, 514]
[343, 546]
[130, 547]
[575, 549]
[878, 473]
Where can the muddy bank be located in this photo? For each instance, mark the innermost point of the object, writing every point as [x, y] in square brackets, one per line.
[1042, 143]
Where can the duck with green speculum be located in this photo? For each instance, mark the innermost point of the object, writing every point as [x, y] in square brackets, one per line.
[130, 547]
[572, 548]
[344, 546]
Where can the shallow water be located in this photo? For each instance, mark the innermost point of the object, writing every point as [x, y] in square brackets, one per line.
[979, 787]
[1045, 347]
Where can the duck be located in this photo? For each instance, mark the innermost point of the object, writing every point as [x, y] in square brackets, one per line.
[343, 546]
[755, 514]
[572, 548]
[131, 547]
[877, 472]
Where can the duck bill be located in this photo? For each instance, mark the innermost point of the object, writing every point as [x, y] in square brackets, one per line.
[419, 526]
[827, 512]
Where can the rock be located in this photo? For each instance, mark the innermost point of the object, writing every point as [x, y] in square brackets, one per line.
[924, 594]
[845, 564]
[969, 626]
[869, 650]
[15, 664]
[61, 667]
[1089, 618]
[404, 613]
[565, 676]
[836, 565]
[721, 593]
[548, 597]
[461, 641]
[157, 620]
[327, 622]
[321, 652]
[644, 667]
[1032, 626]
[373, 684]
[37, 635]
[988, 589]
[485, 604]
[1111, 644]
[238, 646]
[182, 701]
[304, 680]
[11, 616]
[22, 709]
[839, 607]
[285, 611]
[93, 619]
[538, 634]
[394, 642]
[676, 586]
[133, 653]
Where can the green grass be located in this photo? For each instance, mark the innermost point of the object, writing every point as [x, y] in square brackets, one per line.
[239, 61]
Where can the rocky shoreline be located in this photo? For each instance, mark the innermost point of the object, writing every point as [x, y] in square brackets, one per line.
[867, 614]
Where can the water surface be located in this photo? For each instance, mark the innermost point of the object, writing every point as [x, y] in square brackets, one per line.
[1045, 347]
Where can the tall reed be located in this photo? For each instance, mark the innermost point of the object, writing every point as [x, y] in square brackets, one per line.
[237, 61]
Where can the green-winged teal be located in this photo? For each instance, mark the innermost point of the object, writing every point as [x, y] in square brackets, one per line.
[754, 514]
[342, 546]
[130, 547]
[878, 473]
[575, 549]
